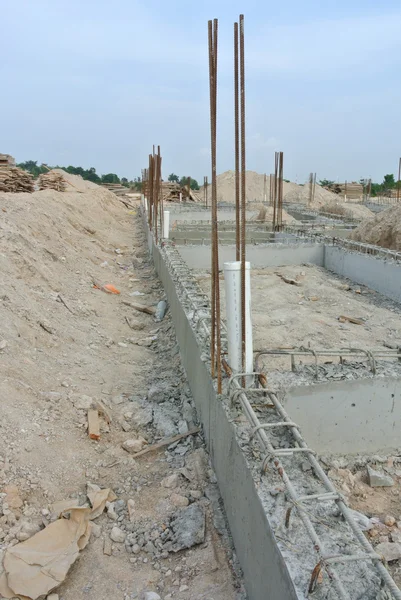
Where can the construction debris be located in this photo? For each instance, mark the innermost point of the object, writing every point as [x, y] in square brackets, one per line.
[344, 319]
[52, 181]
[174, 192]
[93, 425]
[13, 179]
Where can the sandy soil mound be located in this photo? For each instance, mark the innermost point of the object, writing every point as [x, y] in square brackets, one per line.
[255, 189]
[299, 194]
[384, 229]
[265, 213]
[354, 211]
[76, 182]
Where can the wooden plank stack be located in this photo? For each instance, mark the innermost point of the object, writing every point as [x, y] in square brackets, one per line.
[52, 181]
[171, 191]
[14, 180]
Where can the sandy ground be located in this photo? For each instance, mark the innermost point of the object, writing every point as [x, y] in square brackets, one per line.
[308, 313]
[62, 340]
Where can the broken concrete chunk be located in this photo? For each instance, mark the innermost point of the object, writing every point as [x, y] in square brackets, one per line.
[131, 509]
[389, 550]
[132, 446]
[178, 500]
[150, 596]
[377, 479]
[82, 402]
[171, 481]
[188, 527]
[117, 535]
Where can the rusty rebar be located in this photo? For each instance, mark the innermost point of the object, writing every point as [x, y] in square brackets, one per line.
[243, 187]
[280, 192]
[275, 190]
[215, 350]
[236, 131]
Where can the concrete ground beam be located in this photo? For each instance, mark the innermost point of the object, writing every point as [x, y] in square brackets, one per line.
[265, 572]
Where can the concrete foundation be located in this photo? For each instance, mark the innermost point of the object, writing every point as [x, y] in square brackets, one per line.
[379, 275]
[349, 417]
[259, 256]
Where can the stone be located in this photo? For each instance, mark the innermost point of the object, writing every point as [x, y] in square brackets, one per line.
[150, 596]
[53, 597]
[159, 392]
[149, 548]
[178, 500]
[378, 479]
[117, 535]
[389, 550]
[82, 402]
[96, 530]
[389, 521]
[188, 527]
[136, 549]
[396, 536]
[134, 445]
[184, 588]
[3, 344]
[171, 481]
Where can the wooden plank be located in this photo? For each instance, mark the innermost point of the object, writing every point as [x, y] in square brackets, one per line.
[93, 424]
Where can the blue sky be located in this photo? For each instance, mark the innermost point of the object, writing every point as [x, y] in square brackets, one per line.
[96, 83]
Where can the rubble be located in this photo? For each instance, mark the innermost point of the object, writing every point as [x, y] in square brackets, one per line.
[377, 479]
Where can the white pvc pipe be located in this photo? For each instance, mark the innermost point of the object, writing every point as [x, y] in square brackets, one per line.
[142, 200]
[146, 204]
[166, 224]
[232, 279]
[180, 197]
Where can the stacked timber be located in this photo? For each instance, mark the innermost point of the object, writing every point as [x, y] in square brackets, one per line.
[6, 160]
[116, 188]
[173, 192]
[13, 179]
[52, 181]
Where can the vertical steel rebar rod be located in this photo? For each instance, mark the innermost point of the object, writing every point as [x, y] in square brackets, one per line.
[236, 131]
[215, 350]
[275, 190]
[243, 187]
[280, 192]
[398, 181]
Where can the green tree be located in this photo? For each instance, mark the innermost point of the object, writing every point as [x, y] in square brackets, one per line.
[110, 178]
[173, 177]
[184, 183]
[388, 182]
[326, 183]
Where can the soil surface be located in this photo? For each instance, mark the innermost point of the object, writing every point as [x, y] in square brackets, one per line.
[65, 346]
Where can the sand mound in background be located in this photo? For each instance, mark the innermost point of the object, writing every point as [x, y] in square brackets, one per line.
[266, 214]
[255, 188]
[353, 211]
[75, 182]
[384, 229]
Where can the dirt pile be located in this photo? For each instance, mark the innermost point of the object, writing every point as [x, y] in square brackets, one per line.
[352, 211]
[255, 188]
[384, 229]
[68, 348]
[266, 214]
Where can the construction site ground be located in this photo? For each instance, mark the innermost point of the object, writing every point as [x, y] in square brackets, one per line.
[66, 346]
[306, 311]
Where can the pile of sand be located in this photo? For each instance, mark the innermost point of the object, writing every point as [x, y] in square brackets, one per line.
[265, 213]
[255, 188]
[384, 229]
[353, 211]
[75, 182]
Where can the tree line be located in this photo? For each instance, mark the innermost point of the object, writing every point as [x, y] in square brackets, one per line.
[88, 174]
[91, 175]
[376, 189]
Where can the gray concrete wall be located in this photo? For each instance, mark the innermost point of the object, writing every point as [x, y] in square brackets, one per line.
[205, 215]
[259, 256]
[265, 572]
[379, 275]
[348, 416]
